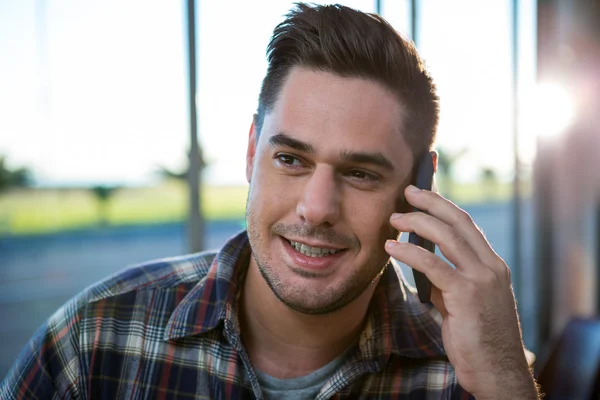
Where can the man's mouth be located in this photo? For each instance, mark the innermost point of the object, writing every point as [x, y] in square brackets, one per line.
[313, 251]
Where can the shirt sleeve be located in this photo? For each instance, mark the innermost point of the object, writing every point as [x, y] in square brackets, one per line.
[48, 366]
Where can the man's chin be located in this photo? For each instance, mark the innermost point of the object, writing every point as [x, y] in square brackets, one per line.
[311, 301]
[310, 309]
[301, 298]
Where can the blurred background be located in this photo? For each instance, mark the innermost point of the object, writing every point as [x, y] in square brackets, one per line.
[123, 129]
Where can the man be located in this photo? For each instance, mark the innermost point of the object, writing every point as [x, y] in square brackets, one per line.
[305, 304]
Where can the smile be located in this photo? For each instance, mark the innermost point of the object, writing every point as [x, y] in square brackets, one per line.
[312, 251]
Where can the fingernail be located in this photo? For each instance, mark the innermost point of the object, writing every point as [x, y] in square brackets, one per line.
[396, 215]
[390, 244]
[413, 189]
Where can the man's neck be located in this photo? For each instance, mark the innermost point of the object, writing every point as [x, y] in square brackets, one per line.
[285, 343]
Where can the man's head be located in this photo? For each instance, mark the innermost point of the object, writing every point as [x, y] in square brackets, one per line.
[345, 109]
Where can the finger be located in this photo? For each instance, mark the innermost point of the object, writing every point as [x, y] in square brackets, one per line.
[451, 243]
[439, 273]
[448, 212]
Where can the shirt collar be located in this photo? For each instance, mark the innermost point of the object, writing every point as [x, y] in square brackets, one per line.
[214, 298]
[398, 323]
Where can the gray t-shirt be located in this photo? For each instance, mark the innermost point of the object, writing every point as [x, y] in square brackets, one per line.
[301, 388]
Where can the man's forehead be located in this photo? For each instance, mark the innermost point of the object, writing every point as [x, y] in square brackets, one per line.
[338, 114]
[329, 92]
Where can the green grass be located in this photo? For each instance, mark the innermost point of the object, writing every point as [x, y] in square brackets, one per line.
[32, 211]
[28, 211]
[477, 193]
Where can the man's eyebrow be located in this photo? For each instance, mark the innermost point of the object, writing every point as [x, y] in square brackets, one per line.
[377, 159]
[281, 139]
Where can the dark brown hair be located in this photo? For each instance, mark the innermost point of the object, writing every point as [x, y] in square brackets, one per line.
[350, 43]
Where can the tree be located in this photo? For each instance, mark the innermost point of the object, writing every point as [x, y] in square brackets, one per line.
[166, 173]
[446, 162]
[18, 177]
[103, 195]
[193, 174]
[489, 178]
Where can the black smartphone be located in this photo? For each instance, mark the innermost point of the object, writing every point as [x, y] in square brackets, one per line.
[423, 179]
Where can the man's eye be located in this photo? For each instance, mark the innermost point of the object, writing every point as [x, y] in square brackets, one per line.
[362, 175]
[288, 159]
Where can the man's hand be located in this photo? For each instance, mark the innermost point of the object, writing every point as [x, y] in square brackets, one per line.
[480, 328]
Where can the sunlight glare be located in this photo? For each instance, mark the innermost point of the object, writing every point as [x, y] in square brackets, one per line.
[553, 110]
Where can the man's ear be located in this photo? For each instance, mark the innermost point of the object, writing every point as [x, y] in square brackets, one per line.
[434, 156]
[251, 150]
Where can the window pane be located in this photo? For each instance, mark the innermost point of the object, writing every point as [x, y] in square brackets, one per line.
[93, 100]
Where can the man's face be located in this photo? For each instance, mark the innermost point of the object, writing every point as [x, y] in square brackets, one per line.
[328, 170]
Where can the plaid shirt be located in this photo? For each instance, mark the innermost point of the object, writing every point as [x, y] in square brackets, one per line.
[169, 330]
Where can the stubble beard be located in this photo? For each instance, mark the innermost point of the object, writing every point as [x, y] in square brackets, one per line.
[297, 298]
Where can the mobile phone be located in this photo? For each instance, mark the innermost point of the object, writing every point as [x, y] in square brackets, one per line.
[423, 179]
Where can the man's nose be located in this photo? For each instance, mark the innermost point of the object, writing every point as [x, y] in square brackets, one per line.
[319, 203]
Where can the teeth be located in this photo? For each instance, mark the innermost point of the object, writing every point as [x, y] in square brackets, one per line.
[312, 251]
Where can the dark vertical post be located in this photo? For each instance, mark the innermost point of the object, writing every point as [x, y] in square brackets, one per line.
[516, 236]
[195, 223]
[543, 180]
[413, 22]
